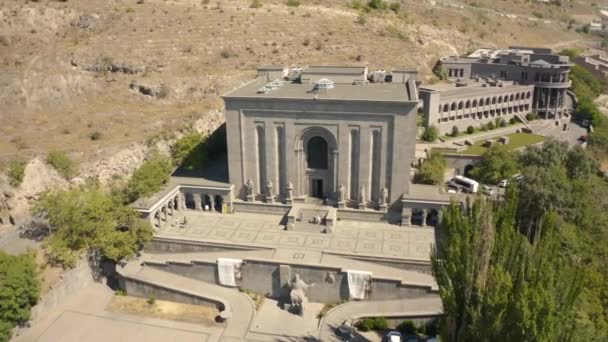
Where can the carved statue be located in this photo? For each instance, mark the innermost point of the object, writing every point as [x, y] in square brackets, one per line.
[269, 187]
[249, 186]
[383, 196]
[289, 190]
[341, 193]
[298, 294]
[362, 194]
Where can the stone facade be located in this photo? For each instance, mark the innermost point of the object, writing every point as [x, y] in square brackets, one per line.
[539, 67]
[473, 103]
[294, 139]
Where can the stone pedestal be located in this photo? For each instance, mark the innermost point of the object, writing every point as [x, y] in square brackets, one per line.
[250, 198]
[269, 199]
[406, 217]
[383, 207]
[341, 204]
[289, 201]
[362, 205]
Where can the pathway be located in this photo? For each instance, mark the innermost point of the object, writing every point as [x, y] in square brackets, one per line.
[427, 306]
[239, 304]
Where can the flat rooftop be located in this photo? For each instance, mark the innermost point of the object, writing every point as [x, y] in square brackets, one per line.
[379, 92]
[472, 87]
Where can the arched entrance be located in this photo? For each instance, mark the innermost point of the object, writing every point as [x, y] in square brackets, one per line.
[316, 150]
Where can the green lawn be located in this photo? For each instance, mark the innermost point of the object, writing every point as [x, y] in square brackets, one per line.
[516, 140]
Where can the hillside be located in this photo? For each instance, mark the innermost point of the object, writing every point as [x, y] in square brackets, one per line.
[90, 77]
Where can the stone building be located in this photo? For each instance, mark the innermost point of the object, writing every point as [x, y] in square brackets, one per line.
[473, 103]
[325, 132]
[539, 67]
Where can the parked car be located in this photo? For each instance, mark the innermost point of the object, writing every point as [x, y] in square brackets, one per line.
[392, 336]
[487, 190]
[518, 176]
[503, 183]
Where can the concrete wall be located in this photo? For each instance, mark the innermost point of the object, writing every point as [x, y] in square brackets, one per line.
[142, 289]
[258, 207]
[264, 277]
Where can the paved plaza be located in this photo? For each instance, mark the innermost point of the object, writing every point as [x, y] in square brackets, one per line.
[349, 237]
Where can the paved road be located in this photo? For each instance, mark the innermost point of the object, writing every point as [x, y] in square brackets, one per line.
[427, 306]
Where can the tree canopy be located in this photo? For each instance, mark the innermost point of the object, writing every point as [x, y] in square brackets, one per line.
[432, 170]
[148, 178]
[19, 290]
[497, 163]
[82, 219]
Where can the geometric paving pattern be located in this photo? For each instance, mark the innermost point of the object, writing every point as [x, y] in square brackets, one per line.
[348, 237]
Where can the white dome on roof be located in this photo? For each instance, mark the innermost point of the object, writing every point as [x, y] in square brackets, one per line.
[324, 83]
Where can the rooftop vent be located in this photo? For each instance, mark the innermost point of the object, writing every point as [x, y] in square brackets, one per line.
[270, 86]
[324, 83]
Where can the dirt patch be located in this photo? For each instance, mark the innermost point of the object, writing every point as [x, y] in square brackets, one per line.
[197, 314]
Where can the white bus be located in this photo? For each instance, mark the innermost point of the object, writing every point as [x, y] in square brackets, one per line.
[464, 183]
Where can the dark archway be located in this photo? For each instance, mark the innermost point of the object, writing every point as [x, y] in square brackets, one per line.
[317, 153]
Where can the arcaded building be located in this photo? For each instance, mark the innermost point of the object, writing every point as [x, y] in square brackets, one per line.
[474, 102]
[342, 134]
[546, 71]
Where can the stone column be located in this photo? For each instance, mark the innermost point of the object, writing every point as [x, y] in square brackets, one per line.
[182, 200]
[406, 216]
[197, 202]
[547, 94]
[164, 211]
[170, 206]
[335, 156]
[424, 214]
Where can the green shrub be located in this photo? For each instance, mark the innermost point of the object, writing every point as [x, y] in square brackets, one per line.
[432, 170]
[256, 4]
[470, 129]
[491, 125]
[148, 178]
[372, 323]
[62, 163]
[395, 7]
[531, 116]
[19, 290]
[430, 134]
[502, 123]
[455, 131]
[361, 19]
[89, 219]
[512, 121]
[16, 172]
[376, 4]
[293, 3]
[184, 146]
[407, 327]
[151, 300]
[356, 4]
[120, 292]
[96, 135]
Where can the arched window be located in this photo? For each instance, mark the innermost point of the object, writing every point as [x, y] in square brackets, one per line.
[460, 105]
[499, 99]
[467, 104]
[446, 107]
[506, 98]
[317, 153]
[528, 95]
[474, 103]
[494, 100]
[517, 97]
[453, 107]
[487, 101]
[511, 97]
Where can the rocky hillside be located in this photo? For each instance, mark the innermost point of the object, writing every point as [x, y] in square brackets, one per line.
[85, 76]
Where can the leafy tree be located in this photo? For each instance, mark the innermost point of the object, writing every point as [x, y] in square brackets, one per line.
[572, 53]
[19, 290]
[185, 147]
[497, 286]
[91, 220]
[587, 110]
[430, 134]
[497, 163]
[148, 178]
[432, 170]
[440, 72]
[376, 4]
[62, 163]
